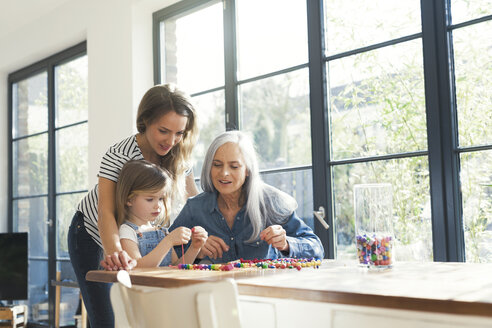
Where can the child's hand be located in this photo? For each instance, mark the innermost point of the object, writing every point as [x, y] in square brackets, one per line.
[179, 236]
[198, 237]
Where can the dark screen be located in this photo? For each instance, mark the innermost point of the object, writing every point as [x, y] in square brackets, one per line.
[13, 266]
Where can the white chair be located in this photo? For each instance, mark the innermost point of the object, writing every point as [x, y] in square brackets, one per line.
[203, 305]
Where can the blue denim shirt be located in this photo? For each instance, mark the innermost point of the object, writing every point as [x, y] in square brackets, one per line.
[202, 210]
[149, 240]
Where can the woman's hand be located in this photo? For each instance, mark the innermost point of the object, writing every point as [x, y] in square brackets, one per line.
[213, 248]
[198, 237]
[118, 261]
[179, 236]
[275, 235]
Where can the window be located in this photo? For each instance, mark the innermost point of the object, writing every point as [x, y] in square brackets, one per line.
[338, 93]
[193, 59]
[48, 170]
[273, 93]
[265, 78]
[377, 122]
[469, 29]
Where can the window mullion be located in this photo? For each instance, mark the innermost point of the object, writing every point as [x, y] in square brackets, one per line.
[447, 228]
[319, 125]
[51, 219]
[230, 66]
[10, 221]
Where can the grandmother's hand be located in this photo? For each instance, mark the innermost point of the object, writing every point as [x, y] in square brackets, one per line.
[213, 248]
[276, 236]
[118, 261]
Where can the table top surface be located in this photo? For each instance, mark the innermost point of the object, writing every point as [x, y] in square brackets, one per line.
[459, 288]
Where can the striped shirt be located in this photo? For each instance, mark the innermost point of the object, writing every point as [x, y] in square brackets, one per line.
[110, 168]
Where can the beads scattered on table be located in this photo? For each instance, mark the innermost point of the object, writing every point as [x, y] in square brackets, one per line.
[375, 250]
[282, 263]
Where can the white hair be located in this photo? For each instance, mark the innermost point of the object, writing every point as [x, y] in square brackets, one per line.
[265, 205]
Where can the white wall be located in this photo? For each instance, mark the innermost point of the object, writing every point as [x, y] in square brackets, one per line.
[119, 48]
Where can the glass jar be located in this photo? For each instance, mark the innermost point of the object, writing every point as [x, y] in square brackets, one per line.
[373, 209]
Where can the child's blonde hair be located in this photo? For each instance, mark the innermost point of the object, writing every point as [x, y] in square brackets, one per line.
[138, 177]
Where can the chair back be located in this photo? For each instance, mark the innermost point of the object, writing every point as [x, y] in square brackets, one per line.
[202, 305]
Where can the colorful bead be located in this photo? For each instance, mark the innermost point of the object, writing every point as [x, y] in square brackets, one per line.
[377, 252]
[282, 263]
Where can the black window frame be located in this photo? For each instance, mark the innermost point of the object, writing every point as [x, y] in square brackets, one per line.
[47, 65]
[441, 113]
[231, 81]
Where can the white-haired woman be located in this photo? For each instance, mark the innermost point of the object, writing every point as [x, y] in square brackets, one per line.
[244, 217]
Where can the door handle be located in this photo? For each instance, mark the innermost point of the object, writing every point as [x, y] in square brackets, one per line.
[320, 215]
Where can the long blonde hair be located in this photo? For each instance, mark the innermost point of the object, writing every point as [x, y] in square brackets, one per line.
[138, 177]
[158, 101]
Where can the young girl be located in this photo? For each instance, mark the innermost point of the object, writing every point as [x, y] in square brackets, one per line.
[142, 194]
[167, 131]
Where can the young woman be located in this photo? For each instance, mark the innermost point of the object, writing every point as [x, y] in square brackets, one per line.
[167, 132]
[142, 200]
[244, 217]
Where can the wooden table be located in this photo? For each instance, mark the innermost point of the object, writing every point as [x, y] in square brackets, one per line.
[446, 288]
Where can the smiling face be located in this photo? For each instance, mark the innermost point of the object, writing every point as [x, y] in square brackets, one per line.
[145, 207]
[228, 170]
[166, 132]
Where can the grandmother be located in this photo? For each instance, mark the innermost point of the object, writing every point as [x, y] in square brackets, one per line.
[244, 217]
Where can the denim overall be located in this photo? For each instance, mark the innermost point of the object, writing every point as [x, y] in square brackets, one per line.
[148, 240]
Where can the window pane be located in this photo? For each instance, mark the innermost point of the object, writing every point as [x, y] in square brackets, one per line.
[464, 10]
[30, 215]
[30, 106]
[377, 103]
[298, 184]
[65, 205]
[30, 166]
[69, 296]
[72, 158]
[211, 121]
[476, 191]
[271, 34]
[38, 291]
[352, 24]
[409, 178]
[66, 271]
[473, 69]
[71, 92]
[192, 49]
[276, 111]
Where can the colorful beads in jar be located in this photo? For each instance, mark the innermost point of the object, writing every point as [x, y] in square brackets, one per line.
[375, 250]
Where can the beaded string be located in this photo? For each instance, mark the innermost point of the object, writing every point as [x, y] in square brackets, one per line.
[182, 248]
[283, 263]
